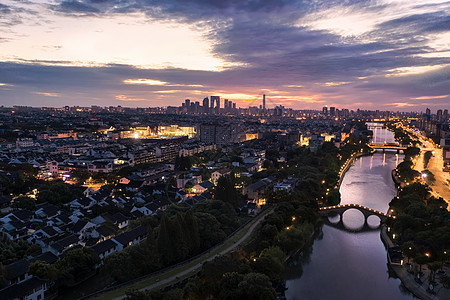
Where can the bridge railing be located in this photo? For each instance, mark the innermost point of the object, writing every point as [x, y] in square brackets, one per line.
[356, 206]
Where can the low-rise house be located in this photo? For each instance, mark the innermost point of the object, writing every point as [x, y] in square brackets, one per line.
[131, 237]
[134, 185]
[83, 229]
[46, 211]
[43, 233]
[255, 190]
[62, 245]
[146, 211]
[119, 220]
[46, 257]
[202, 187]
[32, 289]
[286, 185]
[105, 248]
[84, 202]
[104, 232]
[100, 166]
[219, 173]
[190, 178]
[17, 272]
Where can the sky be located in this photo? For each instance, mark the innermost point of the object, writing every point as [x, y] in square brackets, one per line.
[386, 54]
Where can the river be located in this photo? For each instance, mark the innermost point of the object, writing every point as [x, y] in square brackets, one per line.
[351, 265]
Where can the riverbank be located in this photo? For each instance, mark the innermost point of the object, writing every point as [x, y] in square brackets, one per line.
[419, 290]
[407, 279]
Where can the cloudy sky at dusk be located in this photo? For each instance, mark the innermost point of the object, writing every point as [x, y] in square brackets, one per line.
[386, 54]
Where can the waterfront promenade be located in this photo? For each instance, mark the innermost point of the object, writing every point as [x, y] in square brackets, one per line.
[418, 289]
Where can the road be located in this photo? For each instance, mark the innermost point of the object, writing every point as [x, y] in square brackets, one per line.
[440, 187]
[196, 267]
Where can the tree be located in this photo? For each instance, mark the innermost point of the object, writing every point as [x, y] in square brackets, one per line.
[334, 197]
[183, 163]
[270, 262]
[409, 249]
[134, 294]
[2, 275]
[426, 158]
[421, 259]
[43, 270]
[24, 202]
[226, 191]
[209, 230]
[433, 268]
[78, 264]
[229, 285]
[256, 286]
[213, 271]
[191, 227]
[165, 242]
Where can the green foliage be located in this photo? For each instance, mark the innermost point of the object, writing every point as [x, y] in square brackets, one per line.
[409, 249]
[271, 262]
[11, 251]
[24, 202]
[426, 158]
[248, 286]
[406, 173]
[178, 237]
[43, 270]
[213, 271]
[294, 237]
[77, 264]
[183, 163]
[20, 180]
[333, 197]
[209, 229]
[226, 191]
[2, 275]
[58, 193]
[422, 223]
[411, 152]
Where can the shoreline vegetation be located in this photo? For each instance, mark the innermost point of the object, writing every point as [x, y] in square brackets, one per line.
[420, 231]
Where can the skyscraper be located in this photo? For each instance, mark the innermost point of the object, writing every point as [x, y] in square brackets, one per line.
[215, 104]
[264, 102]
[439, 115]
[332, 111]
[225, 105]
[206, 105]
[325, 110]
[445, 117]
[428, 114]
[187, 105]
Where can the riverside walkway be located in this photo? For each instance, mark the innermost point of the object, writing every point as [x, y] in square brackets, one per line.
[189, 268]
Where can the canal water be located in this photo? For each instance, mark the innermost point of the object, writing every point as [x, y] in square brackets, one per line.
[352, 265]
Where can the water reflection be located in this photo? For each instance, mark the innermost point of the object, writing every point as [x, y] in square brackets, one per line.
[353, 219]
[344, 265]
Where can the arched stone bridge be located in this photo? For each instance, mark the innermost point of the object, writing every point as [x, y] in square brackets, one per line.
[340, 209]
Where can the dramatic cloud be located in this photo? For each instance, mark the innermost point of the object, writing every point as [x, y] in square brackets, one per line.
[303, 54]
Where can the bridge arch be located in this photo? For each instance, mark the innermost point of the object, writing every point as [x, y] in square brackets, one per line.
[366, 212]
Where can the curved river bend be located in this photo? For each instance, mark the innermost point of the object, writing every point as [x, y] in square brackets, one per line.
[348, 265]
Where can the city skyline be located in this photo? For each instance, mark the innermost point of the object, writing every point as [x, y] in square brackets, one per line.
[387, 55]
